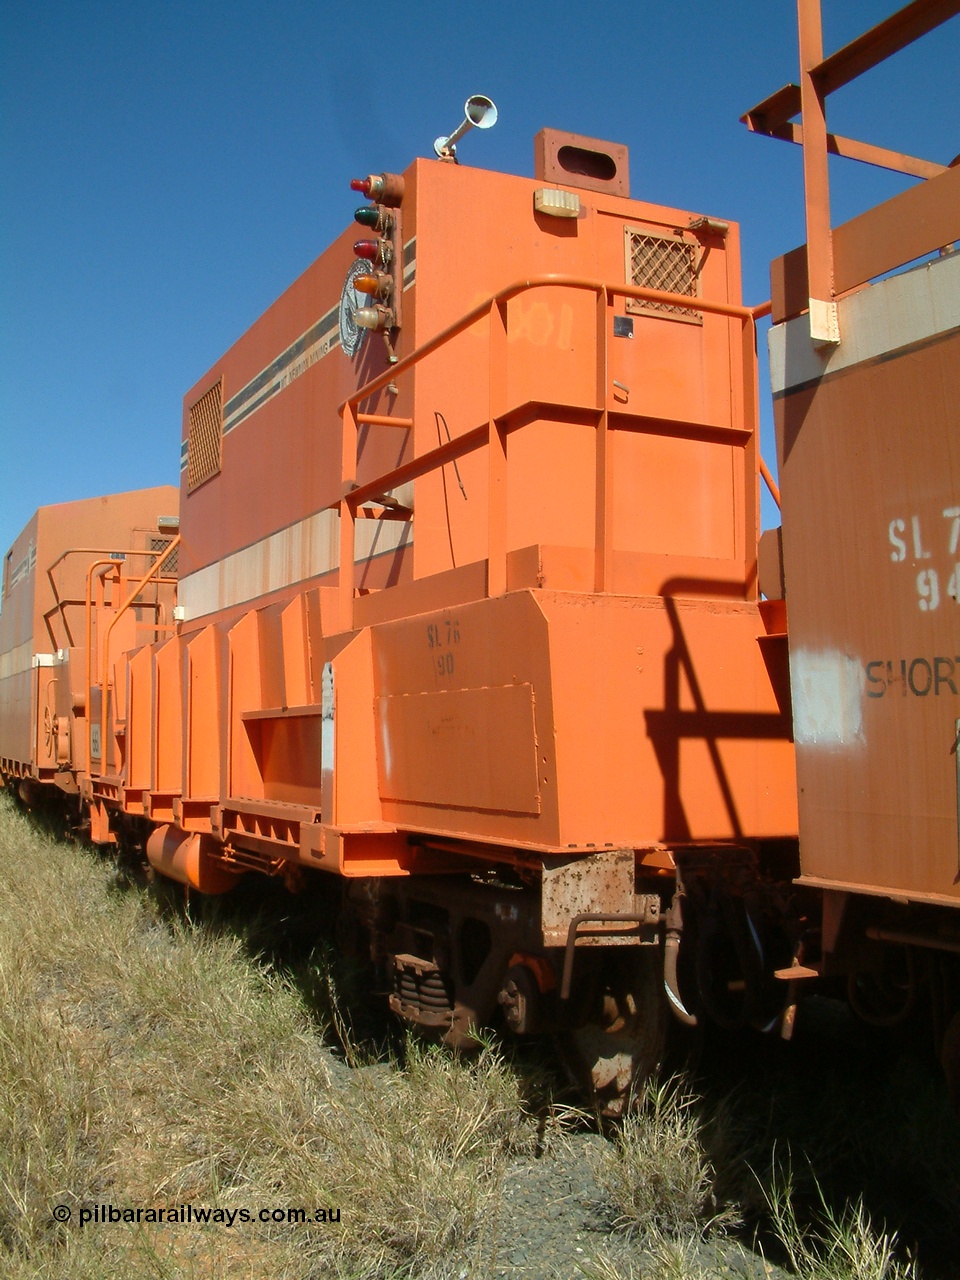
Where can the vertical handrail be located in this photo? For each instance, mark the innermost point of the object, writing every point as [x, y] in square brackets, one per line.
[497, 453]
[603, 514]
[348, 477]
[96, 564]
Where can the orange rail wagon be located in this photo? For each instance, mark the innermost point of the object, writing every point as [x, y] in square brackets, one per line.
[464, 608]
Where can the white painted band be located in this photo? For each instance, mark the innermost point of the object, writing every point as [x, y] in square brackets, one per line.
[893, 313]
[304, 550]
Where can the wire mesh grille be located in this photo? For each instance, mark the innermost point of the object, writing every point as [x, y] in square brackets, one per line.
[666, 263]
[159, 544]
[203, 442]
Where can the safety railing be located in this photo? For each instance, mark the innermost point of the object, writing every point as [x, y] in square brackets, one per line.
[492, 433]
[152, 574]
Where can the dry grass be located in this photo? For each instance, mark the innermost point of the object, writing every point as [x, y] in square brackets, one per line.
[845, 1246]
[147, 1062]
[655, 1172]
[144, 1062]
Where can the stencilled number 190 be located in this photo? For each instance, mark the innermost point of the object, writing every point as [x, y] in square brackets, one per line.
[441, 638]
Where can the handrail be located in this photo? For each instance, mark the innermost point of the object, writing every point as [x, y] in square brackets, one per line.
[115, 555]
[732, 310]
[769, 481]
[151, 572]
[352, 494]
[94, 565]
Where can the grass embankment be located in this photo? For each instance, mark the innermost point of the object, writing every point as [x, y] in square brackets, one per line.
[146, 1063]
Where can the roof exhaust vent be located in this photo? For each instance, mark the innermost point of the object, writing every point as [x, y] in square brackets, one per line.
[572, 160]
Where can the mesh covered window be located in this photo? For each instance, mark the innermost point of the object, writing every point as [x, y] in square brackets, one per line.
[203, 442]
[662, 262]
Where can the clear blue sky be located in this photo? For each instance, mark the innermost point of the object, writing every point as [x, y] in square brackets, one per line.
[168, 168]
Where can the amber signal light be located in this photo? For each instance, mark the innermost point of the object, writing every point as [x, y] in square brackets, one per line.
[378, 286]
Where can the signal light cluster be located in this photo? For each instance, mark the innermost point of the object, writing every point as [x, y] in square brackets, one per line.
[381, 283]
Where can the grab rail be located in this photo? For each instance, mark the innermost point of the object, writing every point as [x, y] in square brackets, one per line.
[162, 556]
[492, 433]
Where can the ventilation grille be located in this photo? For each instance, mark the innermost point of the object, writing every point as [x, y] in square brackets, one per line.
[159, 545]
[662, 262]
[203, 443]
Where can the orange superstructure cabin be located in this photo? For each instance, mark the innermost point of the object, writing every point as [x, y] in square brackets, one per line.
[84, 583]
[485, 569]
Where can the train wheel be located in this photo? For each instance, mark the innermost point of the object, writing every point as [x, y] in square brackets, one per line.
[617, 1024]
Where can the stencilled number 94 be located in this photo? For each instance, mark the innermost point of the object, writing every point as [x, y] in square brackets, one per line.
[928, 587]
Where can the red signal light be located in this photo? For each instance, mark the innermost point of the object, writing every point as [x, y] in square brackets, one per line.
[385, 188]
[373, 250]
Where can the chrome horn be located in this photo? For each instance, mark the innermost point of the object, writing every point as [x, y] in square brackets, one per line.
[478, 113]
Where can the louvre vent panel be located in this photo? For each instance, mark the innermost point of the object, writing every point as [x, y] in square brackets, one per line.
[206, 430]
[666, 263]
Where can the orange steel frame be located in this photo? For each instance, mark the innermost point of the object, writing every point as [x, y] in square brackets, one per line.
[819, 77]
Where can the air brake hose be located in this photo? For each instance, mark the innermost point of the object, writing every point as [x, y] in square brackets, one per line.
[674, 922]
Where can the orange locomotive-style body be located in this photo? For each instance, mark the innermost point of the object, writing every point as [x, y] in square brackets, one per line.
[467, 604]
[62, 626]
[555, 533]
[501, 610]
[468, 613]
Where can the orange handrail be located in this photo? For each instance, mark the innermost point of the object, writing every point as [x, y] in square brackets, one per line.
[352, 494]
[94, 565]
[732, 310]
[115, 555]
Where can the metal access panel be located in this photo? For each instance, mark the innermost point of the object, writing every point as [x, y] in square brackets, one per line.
[869, 450]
